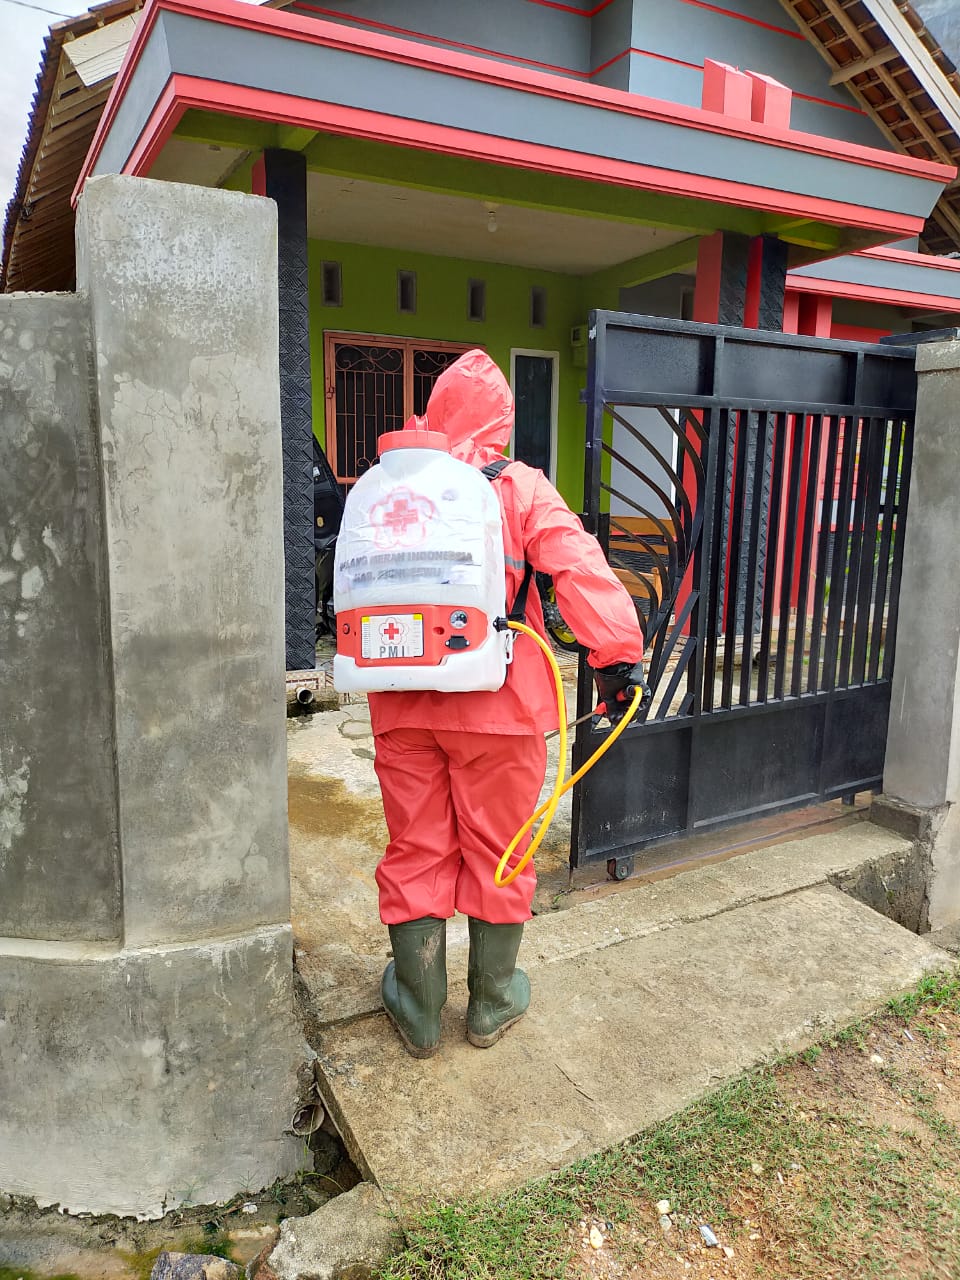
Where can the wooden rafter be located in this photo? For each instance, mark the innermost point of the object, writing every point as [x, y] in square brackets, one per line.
[900, 77]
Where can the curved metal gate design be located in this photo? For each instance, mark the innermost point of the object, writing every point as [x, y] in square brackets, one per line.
[749, 488]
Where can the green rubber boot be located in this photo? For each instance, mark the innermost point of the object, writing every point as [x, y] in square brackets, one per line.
[414, 984]
[499, 991]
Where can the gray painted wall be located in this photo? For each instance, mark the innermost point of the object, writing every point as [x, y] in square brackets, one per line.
[675, 30]
[59, 870]
[279, 65]
[887, 273]
[610, 35]
[504, 28]
[671, 38]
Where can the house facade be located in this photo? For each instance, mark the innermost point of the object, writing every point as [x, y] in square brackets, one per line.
[459, 175]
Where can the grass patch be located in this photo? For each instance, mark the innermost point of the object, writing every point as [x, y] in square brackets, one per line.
[935, 992]
[839, 1162]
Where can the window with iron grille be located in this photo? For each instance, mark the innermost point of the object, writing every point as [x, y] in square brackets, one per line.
[373, 385]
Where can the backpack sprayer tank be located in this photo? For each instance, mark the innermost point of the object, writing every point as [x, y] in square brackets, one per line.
[419, 574]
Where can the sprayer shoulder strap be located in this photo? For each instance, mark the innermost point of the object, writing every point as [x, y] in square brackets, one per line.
[519, 611]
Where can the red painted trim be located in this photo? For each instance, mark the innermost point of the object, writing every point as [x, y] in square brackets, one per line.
[307, 6]
[751, 302]
[873, 293]
[258, 177]
[706, 290]
[858, 333]
[569, 8]
[816, 315]
[646, 53]
[164, 118]
[929, 261]
[791, 312]
[696, 66]
[316, 31]
[328, 117]
[742, 17]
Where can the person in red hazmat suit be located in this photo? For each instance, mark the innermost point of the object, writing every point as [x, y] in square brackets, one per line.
[461, 772]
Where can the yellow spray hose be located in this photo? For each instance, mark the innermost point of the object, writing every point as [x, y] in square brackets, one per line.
[561, 787]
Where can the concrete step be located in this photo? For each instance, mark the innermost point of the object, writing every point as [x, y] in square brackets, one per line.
[642, 1002]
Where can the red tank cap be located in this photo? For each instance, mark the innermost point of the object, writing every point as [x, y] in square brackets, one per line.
[407, 439]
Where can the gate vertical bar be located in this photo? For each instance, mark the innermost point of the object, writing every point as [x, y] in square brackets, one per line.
[867, 560]
[841, 541]
[707, 574]
[772, 558]
[823, 544]
[756, 544]
[593, 457]
[806, 551]
[792, 532]
[902, 492]
[894, 444]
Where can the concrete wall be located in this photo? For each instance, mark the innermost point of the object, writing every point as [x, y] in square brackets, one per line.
[922, 769]
[59, 860]
[184, 332]
[148, 1048]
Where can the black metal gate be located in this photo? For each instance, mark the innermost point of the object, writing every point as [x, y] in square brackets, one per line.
[750, 490]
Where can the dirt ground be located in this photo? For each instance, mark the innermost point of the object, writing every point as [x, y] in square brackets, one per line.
[873, 1189]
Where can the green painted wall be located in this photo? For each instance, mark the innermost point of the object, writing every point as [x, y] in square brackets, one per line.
[369, 277]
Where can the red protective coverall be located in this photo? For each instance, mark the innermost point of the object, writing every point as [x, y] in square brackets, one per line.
[461, 772]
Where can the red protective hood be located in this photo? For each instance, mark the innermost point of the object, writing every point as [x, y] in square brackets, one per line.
[472, 404]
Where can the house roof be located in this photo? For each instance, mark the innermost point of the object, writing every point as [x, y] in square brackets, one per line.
[894, 66]
[77, 68]
[880, 49]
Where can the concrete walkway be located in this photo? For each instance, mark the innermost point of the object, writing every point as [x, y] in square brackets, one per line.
[646, 995]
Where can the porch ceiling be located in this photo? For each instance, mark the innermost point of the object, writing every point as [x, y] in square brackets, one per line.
[405, 218]
[354, 211]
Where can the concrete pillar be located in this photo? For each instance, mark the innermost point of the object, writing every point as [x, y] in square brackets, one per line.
[148, 1047]
[922, 772]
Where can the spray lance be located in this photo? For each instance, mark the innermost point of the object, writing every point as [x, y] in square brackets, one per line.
[636, 694]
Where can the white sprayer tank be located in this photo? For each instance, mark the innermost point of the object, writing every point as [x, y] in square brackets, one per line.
[419, 574]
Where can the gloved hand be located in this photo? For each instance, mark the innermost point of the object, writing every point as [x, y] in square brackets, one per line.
[615, 685]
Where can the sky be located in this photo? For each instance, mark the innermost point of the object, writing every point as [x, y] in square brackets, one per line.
[943, 19]
[22, 33]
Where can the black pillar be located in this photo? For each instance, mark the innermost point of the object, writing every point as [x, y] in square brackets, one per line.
[772, 283]
[732, 285]
[285, 181]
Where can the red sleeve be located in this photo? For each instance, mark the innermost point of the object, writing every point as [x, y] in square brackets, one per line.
[598, 608]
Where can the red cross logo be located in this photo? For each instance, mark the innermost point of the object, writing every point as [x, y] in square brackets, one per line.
[391, 631]
[401, 518]
[401, 515]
